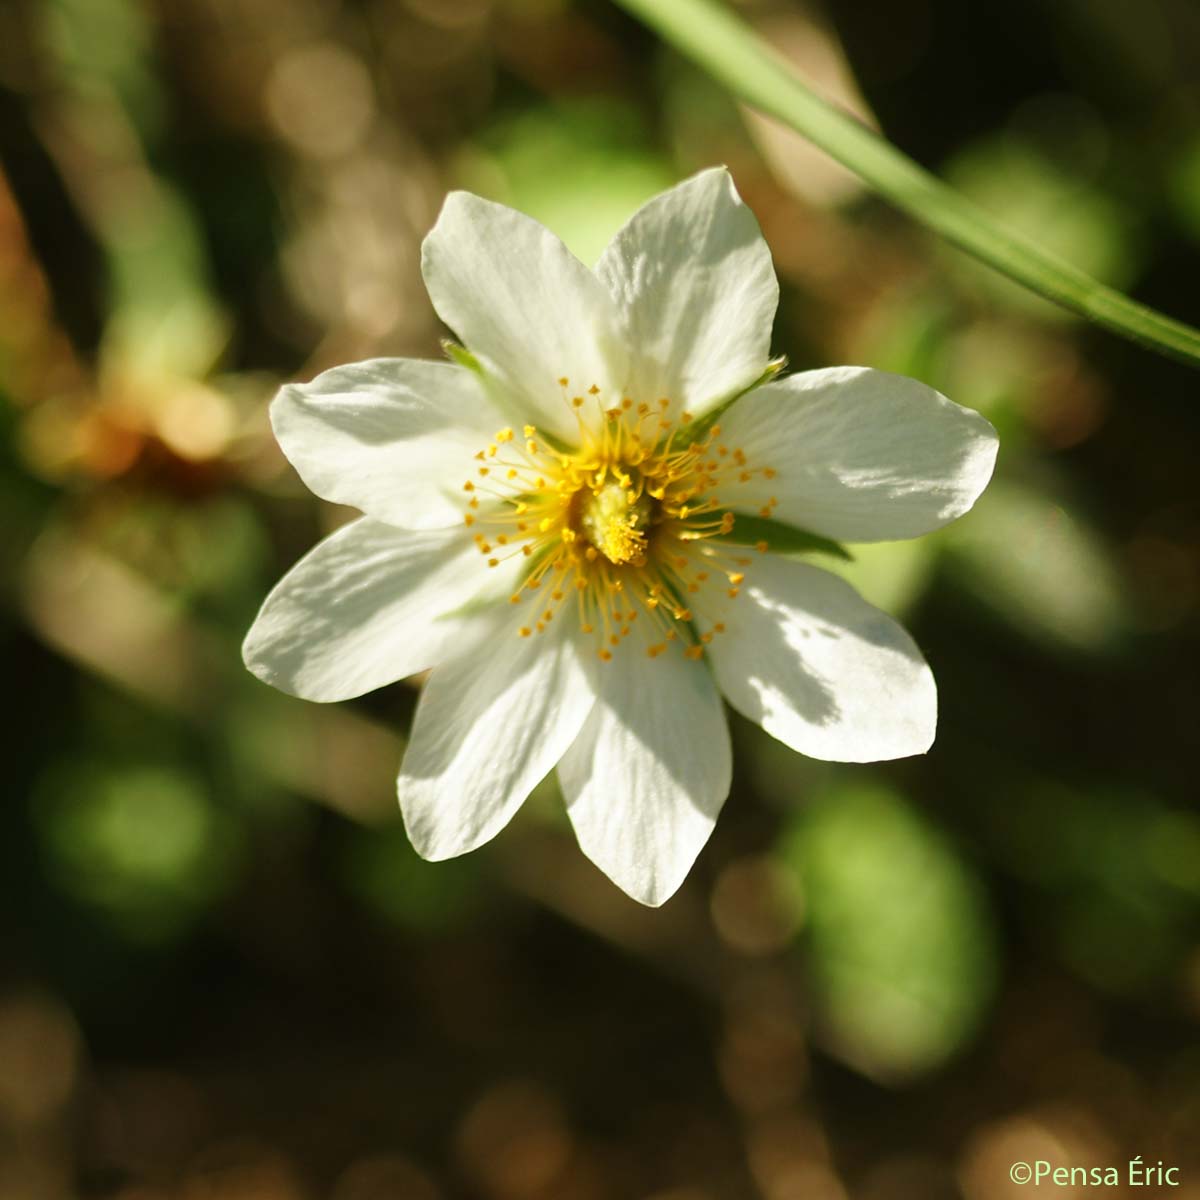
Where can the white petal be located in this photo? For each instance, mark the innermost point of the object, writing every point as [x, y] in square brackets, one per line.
[526, 307]
[392, 436]
[490, 724]
[860, 455]
[650, 771]
[367, 606]
[693, 283]
[819, 668]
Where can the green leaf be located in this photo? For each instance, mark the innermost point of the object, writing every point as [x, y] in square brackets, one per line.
[722, 44]
[780, 537]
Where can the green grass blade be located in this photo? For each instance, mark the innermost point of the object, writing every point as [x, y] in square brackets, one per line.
[731, 52]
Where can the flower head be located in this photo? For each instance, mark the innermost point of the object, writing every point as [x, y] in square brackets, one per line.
[573, 522]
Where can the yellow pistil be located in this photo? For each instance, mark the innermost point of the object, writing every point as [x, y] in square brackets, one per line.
[626, 524]
[616, 524]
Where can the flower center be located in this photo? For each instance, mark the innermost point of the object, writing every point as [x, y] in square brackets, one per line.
[615, 519]
[628, 527]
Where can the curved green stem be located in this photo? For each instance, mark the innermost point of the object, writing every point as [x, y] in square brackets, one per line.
[728, 49]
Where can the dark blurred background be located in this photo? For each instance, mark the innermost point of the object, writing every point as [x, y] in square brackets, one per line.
[225, 974]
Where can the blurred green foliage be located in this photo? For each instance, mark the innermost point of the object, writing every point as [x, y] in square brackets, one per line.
[144, 846]
[903, 954]
[1066, 212]
[580, 168]
[382, 867]
[227, 968]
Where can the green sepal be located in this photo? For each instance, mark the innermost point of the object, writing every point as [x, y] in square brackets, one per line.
[691, 633]
[489, 597]
[780, 537]
[482, 601]
[555, 443]
[462, 356]
[699, 428]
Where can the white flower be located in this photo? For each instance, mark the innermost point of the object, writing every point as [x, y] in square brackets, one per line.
[572, 525]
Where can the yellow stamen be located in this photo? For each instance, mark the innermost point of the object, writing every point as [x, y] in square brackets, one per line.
[623, 523]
